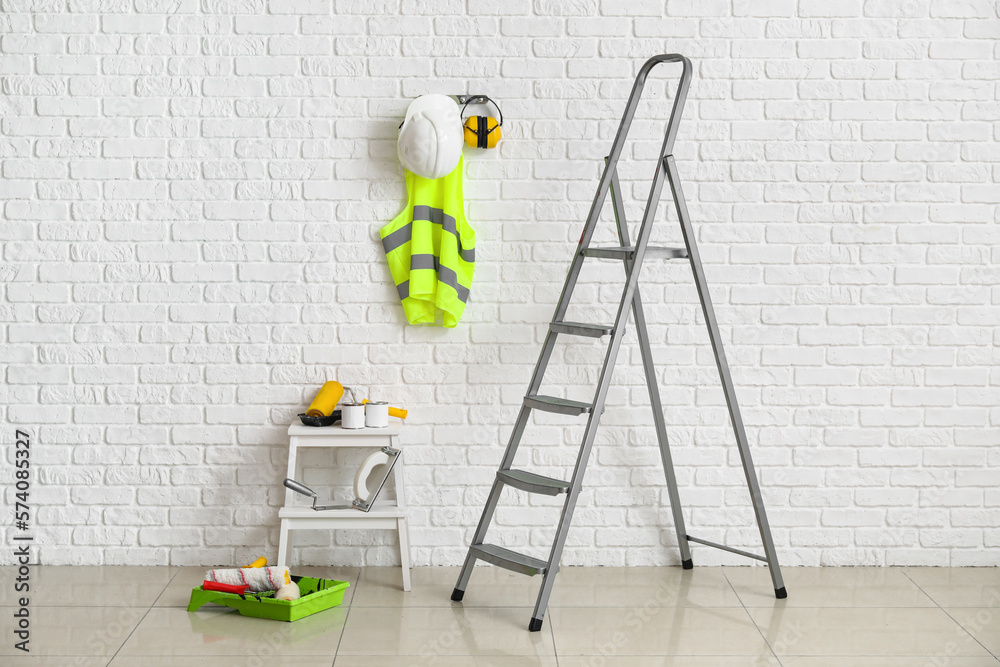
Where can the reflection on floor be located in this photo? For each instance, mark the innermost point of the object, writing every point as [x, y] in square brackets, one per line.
[598, 617]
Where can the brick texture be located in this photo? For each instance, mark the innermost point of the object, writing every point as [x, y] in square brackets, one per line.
[191, 193]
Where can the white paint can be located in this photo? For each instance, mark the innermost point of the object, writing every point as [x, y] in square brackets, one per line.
[352, 415]
[376, 414]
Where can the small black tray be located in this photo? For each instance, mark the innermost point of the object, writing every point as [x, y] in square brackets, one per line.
[320, 421]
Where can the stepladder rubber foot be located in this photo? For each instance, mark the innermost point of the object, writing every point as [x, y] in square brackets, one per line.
[687, 564]
[780, 593]
[457, 595]
[535, 625]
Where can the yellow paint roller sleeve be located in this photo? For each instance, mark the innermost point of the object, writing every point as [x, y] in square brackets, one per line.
[326, 399]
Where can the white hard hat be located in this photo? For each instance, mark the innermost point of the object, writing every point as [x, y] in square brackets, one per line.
[430, 139]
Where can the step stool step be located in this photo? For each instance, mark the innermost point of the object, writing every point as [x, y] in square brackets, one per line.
[509, 560]
[533, 483]
[627, 252]
[562, 406]
[582, 329]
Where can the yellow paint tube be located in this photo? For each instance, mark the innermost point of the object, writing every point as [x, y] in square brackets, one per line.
[326, 399]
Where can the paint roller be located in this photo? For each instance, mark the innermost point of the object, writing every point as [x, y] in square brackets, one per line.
[255, 578]
[326, 399]
[321, 411]
[393, 412]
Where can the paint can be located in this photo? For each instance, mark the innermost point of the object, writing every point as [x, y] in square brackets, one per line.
[376, 414]
[352, 415]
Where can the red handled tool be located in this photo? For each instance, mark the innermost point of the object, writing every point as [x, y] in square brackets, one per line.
[224, 588]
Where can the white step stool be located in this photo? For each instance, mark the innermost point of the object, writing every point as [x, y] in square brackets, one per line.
[383, 514]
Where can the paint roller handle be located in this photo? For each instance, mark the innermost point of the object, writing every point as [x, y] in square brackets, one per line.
[393, 412]
[298, 487]
[224, 588]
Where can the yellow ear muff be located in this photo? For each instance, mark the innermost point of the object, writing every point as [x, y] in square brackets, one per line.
[482, 132]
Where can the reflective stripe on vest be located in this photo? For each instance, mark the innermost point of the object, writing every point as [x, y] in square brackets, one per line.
[431, 250]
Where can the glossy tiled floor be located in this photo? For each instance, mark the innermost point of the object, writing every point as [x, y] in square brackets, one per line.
[610, 617]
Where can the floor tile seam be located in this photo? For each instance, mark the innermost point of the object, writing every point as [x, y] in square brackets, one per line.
[347, 616]
[886, 656]
[679, 655]
[919, 587]
[552, 634]
[955, 620]
[608, 607]
[80, 606]
[972, 636]
[876, 607]
[767, 643]
[166, 587]
[132, 632]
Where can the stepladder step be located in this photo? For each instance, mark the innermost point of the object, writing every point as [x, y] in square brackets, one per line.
[509, 560]
[581, 329]
[628, 252]
[532, 482]
[562, 406]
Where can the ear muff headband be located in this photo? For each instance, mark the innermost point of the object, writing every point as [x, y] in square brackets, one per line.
[482, 132]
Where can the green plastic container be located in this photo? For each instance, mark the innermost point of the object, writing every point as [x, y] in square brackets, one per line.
[317, 595]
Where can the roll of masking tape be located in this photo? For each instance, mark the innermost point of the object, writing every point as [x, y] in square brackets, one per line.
[376, 414]
[352, 415]
[370, 474]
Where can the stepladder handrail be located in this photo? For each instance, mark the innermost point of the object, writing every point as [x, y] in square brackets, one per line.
[617, 145]
[680, 97]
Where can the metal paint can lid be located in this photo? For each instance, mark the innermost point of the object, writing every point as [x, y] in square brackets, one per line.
[351, 405]
[378, 402]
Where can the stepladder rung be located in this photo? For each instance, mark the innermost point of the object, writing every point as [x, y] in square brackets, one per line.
[628, 252]
[582, 329]
[723, 547]
[509, 560]
[532, 482]
[563, 406]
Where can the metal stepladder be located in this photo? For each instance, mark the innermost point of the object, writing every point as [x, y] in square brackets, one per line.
[632, 258]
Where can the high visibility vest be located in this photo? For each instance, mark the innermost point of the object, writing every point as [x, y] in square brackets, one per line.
[431, 249]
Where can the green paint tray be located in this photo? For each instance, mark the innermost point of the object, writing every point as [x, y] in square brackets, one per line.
[317, 595]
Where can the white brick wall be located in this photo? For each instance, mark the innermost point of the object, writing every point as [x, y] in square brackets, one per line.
[191, 193]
